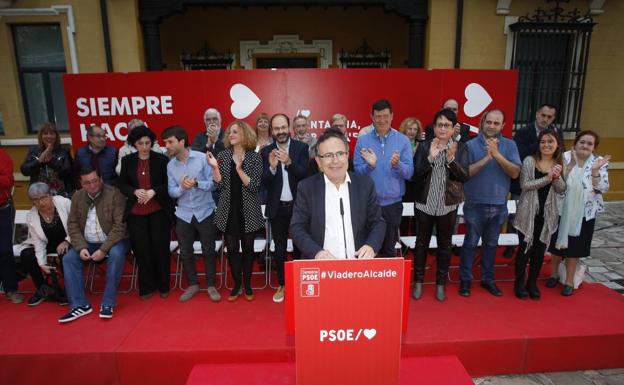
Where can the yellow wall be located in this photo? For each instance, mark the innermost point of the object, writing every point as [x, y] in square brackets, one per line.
[223, 29]
[126, 47]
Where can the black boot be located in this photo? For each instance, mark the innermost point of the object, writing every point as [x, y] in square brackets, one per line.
[520, 291]
[533, 290]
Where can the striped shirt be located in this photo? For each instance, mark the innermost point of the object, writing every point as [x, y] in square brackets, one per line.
[437, 188]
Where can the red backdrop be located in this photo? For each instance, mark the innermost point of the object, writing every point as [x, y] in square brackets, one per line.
[163, 99]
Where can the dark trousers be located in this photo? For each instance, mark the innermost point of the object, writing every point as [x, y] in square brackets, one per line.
[149, 237]
[534, 256]
[444, 225]
[186, 236]
[392, 215]
[8, 276]
[28, 266]
[279, 229]
[240, 263]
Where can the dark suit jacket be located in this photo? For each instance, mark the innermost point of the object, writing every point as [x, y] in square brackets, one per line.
[200, 140]
[298, 152]
[307, 226]
[128, 181]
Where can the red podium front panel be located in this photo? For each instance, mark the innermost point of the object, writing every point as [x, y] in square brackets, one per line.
[348, 321]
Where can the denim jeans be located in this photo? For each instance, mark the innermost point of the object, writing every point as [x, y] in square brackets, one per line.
[482, 221]
[74, 279]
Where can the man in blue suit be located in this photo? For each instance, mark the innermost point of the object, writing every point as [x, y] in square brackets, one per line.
[285, 164]
[336, 214]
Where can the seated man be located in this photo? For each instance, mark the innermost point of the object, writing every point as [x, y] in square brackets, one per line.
[97, 231]
[336, 214]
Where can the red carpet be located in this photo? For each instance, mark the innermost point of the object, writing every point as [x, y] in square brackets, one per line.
[159, 341]
[443, 370]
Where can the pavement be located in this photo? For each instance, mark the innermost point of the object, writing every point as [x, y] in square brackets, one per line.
[606, 266]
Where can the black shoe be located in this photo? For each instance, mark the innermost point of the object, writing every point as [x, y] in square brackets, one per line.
[464, 289]
[567, 291]
[520, 291]
[534, 291]
[509, 252]
[492, 288]
[36, 299]
[552, 282]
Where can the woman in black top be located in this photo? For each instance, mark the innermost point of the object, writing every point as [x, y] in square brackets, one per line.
[149, 211]
[49, 162]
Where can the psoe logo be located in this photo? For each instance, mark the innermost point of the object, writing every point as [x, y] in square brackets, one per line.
[311, 289]
[310, 275]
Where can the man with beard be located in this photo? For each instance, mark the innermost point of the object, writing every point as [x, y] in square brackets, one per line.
[494, 161]
[285, 164]
[190, 181]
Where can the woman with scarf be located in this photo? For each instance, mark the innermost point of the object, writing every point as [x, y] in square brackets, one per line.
[537, 216]
[586, 179]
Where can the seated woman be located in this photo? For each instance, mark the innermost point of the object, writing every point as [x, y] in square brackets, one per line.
[49, 162]
[47, 233]
[537, 216]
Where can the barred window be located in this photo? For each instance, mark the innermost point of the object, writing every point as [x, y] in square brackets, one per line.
[550, 52]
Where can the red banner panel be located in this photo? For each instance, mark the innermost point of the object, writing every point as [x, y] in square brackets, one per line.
[166, 98]
[348, 317]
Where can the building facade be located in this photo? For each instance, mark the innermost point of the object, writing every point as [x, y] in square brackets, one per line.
[566, 51]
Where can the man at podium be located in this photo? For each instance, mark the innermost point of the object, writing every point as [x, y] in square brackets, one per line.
[336, 215]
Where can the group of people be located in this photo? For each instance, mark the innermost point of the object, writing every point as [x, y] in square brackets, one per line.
[333, 204]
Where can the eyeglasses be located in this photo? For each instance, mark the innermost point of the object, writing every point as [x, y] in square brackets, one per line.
[332, 155]
[40, 199]
[98, 135]
[444, 125]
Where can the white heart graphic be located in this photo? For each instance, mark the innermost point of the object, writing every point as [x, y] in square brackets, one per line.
[477, 99]
[305, 113]
[244, 101]
[370, 333]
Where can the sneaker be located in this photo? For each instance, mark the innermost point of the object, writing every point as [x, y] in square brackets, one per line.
[35, 300]
[106, 312]
[189, 293]
[213, 293]
[279, 294]
[76, 313]
[15, 297]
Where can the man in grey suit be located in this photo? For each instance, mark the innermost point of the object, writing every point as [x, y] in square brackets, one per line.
[336, 214]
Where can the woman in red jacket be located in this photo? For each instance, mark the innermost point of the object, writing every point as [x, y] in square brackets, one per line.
[8, 277]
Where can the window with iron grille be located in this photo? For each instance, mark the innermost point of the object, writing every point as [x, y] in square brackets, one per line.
[40, 65]
[550, 52]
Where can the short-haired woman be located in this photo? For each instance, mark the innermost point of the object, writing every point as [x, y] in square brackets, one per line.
[586, 180]
[149, 211]
[47, 233]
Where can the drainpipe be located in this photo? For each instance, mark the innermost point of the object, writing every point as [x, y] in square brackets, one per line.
[458, 32]
[107, 44]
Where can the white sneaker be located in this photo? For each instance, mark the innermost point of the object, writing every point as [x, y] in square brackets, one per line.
[279, 294]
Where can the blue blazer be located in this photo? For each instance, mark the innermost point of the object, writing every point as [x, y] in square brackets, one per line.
[307, 226]
[298, 169]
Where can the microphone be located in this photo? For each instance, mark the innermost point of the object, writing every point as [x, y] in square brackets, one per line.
[344, 231]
